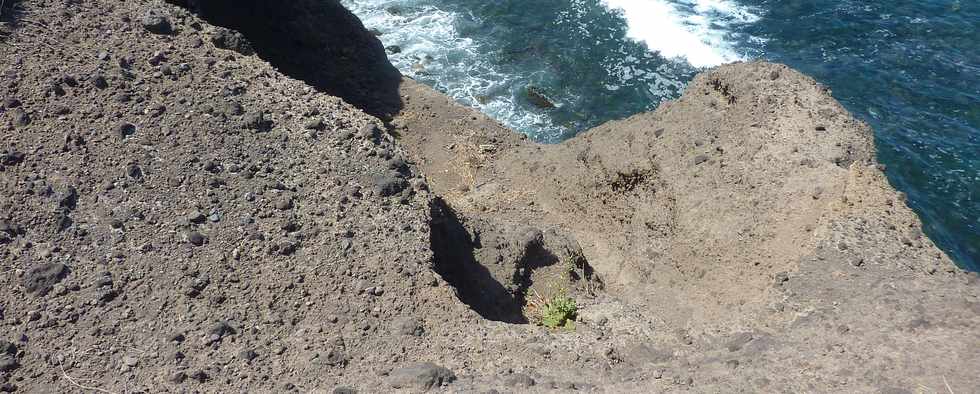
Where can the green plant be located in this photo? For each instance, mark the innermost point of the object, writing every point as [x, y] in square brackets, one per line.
[559, 311]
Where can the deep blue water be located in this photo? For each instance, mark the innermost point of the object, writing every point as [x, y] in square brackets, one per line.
[910, 69]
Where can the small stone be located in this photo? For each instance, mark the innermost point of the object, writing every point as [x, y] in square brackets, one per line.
[520, 380]
[8, 363]
[134, 171]
[61, 109]
[398, 165]
[409, 326]
[156, 110]
[200, 376]
[8, 348]
[229, 39]
[700, 159]
[21, 118]
[11, 103]
[344, 390]
[248, 355]
[314, 124]
[288, 247]
[67, 197]
[389, 184]
[420, 376]
[284, 203]
[231, 108]
[195, 238]
[196, 217]
[738, 341]
[336, 357]
[817, 193]
[370, 131]
[221, 329]
[124, 130]
[11, 158]
[257, 121]
[156, 22]
[41, 278]
[157, 58]
[130, 361]
[178, 377]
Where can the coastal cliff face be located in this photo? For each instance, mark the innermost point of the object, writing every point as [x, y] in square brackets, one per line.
[748, 220]
[224, 196]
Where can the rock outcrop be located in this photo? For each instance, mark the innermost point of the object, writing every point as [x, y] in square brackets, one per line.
[200, 196]
[749, 219]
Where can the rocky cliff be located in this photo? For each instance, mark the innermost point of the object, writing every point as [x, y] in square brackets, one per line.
[213, 196]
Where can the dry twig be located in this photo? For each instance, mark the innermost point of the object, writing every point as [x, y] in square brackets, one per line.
[79, 385]
[950, 389]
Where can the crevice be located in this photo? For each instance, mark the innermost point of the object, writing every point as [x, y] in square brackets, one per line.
[454, 249]
[495, 265]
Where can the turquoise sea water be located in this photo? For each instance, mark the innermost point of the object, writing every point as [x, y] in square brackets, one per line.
[910, 69]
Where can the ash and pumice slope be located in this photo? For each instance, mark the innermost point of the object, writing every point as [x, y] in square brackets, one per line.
[178, 216]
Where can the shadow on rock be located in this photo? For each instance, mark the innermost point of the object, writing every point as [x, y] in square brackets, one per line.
[10, 13]
[495, 265]
[317, 41]
[455, 249]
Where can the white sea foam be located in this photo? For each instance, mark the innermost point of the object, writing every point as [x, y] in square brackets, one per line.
[432, 49]
[695, 31]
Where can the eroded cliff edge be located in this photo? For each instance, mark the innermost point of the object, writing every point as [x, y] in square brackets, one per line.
[179, 215]
[750, 208]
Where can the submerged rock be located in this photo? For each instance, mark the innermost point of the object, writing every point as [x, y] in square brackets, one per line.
[537, 97]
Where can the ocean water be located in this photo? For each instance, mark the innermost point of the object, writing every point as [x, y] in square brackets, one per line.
[910, 69]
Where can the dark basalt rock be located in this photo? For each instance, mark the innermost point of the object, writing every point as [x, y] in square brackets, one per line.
[232, 40]
[156, 22]
[41, 278]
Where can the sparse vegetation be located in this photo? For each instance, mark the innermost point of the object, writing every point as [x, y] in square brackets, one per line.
[557, 312]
